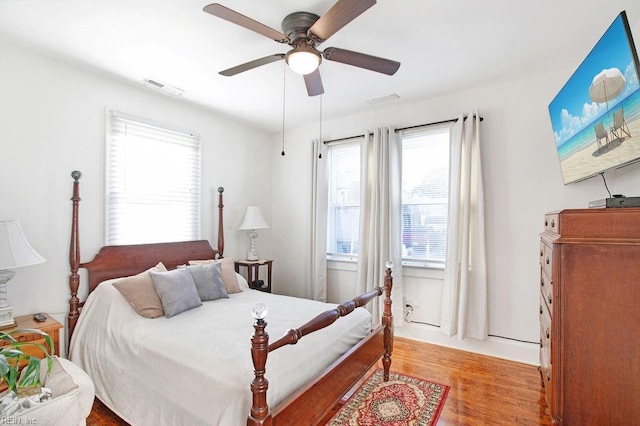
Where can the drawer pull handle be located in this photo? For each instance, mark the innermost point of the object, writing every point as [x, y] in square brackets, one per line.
[547, 333]
[546, 222]
[547, 260]
[540, 342]
[541, 253]
[553, 223]
[548, 376]
[541, 281]
[550, 299]
[540, 309]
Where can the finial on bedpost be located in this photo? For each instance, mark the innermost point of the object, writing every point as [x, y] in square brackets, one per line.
[74, 257]
[387, 321]
[220, 223]
[260, 414]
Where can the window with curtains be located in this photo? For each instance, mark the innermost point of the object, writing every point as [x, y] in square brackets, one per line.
[152, 182]
[425, 187]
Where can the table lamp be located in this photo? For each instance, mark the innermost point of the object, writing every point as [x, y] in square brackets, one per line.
[15, 252]
[253, 220]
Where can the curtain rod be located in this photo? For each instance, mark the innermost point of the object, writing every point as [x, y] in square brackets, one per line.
[453, 120]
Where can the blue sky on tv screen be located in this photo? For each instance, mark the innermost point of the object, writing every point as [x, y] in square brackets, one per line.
[572, 110]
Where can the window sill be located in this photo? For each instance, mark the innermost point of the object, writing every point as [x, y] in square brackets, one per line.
[422, 264]
[409, 268]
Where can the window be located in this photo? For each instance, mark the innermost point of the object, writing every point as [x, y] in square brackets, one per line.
[425, 194]
[344, 199]
[152, 183]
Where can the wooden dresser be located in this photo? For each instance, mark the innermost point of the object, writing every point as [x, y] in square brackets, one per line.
[590, 316]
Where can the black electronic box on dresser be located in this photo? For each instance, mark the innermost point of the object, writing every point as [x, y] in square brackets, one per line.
[589, 316]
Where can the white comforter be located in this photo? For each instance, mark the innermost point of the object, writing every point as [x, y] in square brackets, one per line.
[195, 368]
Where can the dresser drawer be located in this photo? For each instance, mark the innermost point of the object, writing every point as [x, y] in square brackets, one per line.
[546, 258]
[552, 222]
[546, 290]
[545, 349]
[545, 328]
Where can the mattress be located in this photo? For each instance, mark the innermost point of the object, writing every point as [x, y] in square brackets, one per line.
[195, 368]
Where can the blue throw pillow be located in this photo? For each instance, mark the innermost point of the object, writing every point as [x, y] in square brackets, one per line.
[208, 279]
[177, 291]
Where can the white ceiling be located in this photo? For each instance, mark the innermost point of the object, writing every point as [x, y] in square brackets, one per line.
[443, 46]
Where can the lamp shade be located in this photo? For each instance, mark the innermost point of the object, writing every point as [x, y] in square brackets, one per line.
[253, 219]
[15, 250]
[303, 60]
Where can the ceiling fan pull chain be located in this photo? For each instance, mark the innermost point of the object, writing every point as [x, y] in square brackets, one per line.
[284, 92]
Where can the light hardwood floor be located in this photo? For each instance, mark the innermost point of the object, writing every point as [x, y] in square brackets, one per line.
[484, 390]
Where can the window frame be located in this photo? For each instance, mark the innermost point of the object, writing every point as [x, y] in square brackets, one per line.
[168, 135]
[347, 257]
[425, 131]
[410, 262]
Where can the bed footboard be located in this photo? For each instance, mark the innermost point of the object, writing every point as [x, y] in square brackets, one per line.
[310, 404]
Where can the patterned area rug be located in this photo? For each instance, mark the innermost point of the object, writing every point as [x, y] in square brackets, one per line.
[403, 400]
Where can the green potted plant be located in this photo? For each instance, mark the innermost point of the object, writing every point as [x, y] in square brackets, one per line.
[23, 381]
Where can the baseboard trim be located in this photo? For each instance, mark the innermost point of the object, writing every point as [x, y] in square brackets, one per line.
[527, 353]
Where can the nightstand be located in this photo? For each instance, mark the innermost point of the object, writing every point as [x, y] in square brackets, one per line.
[253, 267]
[50, 326]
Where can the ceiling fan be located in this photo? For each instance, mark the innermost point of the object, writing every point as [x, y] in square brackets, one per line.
[304, 32]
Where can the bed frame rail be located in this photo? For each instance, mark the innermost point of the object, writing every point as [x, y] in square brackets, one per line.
[311, 404]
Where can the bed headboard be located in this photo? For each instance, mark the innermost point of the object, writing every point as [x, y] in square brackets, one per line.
[121, 261]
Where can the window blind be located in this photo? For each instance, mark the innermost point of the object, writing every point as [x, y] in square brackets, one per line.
[152, 183]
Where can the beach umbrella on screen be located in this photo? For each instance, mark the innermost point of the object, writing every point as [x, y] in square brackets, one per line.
[606, 85]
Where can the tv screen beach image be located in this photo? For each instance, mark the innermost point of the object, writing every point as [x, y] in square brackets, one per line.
[596, 115]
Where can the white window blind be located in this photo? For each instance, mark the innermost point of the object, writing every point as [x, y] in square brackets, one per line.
[152, 182]
[425, 194]
[344, 199]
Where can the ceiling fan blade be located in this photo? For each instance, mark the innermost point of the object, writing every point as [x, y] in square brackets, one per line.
[252, 64]
[313, 81]
[362, 60]
[216, 9]
[340, 14]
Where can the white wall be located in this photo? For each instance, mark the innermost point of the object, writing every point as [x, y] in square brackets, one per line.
[52, 121]
[522, 181]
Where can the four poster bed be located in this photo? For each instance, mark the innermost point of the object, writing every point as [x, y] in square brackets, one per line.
[196, 367]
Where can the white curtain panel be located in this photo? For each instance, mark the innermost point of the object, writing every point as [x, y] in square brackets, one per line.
[464, 294]
[380, 217]
[319, 207]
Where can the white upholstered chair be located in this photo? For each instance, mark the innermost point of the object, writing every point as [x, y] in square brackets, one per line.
[71, 400]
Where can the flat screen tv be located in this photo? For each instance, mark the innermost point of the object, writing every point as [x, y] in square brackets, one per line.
[596, 115]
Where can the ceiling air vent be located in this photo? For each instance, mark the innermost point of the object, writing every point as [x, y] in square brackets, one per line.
[164, 88]
[383, 100]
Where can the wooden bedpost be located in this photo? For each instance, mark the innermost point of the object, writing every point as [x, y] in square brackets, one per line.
[220, 223]
[387, 321]
[260, 414]
[74, 258]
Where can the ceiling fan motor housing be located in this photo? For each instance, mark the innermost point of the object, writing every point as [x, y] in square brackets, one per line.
[296, 26]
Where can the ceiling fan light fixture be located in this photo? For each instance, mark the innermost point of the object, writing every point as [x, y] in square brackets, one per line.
[303, 60]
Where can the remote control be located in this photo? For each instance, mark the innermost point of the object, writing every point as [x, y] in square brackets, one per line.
[40, 317]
